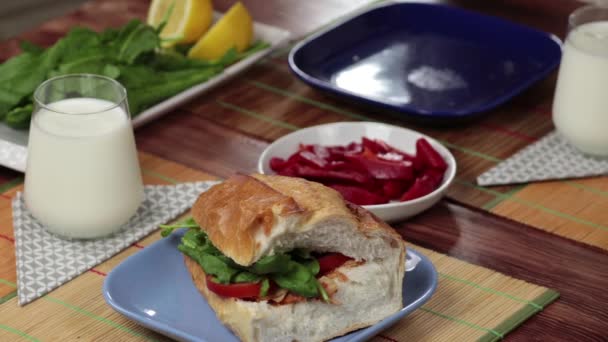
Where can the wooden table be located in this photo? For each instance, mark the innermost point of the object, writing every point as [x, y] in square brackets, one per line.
[193, 137]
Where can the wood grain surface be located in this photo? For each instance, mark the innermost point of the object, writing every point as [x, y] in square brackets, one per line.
[225, 130]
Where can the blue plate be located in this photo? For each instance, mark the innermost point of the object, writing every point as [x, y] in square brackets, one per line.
[154, 288]
[426, 61]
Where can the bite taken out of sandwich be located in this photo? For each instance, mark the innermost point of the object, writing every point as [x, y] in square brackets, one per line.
[286, 259]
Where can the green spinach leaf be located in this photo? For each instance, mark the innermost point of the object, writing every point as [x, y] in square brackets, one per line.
[246, 277]
[212, 264]
[166, 230]
[265, 287]
[29, 47]
[293, 271]
[278, 263]
[299, 280]
[19, 117]
[135, 39]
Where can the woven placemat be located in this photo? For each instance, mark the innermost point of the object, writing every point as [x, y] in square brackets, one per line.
[471, 302]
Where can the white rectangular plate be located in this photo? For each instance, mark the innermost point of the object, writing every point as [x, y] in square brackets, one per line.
[13, 143]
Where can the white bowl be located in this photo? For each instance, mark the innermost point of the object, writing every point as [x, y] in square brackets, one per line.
[343, 133]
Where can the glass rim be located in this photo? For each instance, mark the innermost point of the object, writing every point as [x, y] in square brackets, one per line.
[574, 16]
[122, 90]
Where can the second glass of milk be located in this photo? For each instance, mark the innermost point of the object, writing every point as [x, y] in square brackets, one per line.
[83, 178]
[580, 106]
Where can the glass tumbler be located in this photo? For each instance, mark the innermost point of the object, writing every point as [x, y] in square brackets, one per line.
[580, 105]
[83, 179]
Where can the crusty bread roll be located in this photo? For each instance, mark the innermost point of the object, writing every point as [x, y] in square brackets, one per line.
[249, 217]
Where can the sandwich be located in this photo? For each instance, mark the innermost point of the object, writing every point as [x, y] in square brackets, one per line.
[285, 259]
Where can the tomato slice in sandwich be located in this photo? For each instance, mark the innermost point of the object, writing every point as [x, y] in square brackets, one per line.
[330, 262]
[239, 290]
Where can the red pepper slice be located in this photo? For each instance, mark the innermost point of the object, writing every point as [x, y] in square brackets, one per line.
[382, 169]
[381, 148]
[331, 153]
[429, 156]
[338, 152]
[277, 164]
[436, 176]
[358, 195]
[394, 188]
[325, 176]
[313, 159]
[422, 186]
[376, 146]
[305, 158]
[330, 262]
[239, 290]
[305, 147]
[289, 171]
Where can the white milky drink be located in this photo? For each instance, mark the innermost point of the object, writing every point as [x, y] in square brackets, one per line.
[580, 107]
[83, 178]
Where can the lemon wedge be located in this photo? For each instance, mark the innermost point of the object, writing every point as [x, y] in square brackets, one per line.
[234, 29]
[188, 21]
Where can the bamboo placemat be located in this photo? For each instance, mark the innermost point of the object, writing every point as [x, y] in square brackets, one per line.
[269, 102]
[471, 302]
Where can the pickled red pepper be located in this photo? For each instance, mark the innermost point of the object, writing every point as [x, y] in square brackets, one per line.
[369, 172]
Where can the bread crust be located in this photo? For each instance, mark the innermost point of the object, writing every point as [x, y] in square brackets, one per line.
[232, 212]
[236, 211]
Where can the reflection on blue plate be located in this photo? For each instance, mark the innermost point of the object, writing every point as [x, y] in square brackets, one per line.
[154, 288]
[426, 61]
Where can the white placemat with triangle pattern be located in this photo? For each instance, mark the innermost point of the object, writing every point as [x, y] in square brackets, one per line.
[45, 262]
[550, 158]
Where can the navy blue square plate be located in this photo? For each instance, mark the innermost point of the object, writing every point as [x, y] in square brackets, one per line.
[426, 61]
[154, 288]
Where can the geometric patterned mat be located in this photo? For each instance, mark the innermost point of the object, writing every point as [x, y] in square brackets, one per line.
[45, 261]
[550, 158]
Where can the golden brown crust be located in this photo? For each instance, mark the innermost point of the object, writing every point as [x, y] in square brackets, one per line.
[315, 198]
[232, 212]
